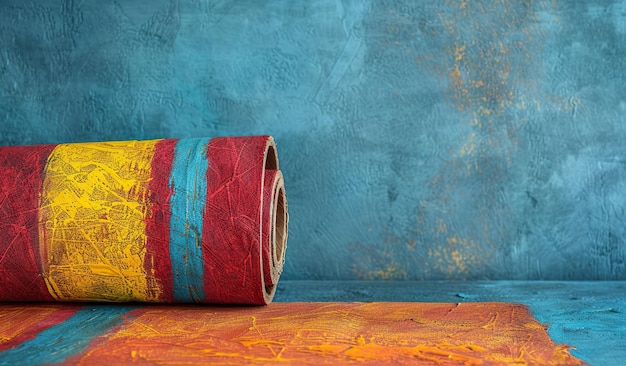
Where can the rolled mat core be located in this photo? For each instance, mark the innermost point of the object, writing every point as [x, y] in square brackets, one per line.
[173, 220]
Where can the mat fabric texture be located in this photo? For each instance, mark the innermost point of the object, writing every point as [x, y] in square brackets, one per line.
[290, 333]
[191, 220]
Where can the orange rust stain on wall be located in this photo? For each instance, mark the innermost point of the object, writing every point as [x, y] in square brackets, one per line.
[386, 264]
[331, 333]
[391, 271]
[455, 256]
[488, 67]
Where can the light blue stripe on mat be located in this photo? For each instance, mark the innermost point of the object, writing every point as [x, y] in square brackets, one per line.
[188, 183]
[66, 339]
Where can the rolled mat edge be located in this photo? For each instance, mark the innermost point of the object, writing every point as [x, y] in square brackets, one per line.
[171, 220]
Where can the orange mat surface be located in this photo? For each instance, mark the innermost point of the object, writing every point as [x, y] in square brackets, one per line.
[290, 333]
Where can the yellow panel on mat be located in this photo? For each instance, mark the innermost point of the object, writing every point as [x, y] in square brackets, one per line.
[93, 209]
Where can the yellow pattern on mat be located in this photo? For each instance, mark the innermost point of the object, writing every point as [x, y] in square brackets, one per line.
[92, 221]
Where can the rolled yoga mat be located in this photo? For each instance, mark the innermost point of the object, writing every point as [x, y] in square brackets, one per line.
[190, 220]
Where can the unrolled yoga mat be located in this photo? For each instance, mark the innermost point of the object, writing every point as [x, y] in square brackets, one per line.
[189, 220]
[281, 333]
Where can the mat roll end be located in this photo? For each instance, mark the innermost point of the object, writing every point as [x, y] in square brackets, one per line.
[200, 220]
[246, 182]
[275, 229]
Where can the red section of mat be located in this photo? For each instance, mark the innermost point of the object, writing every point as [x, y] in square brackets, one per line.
[232, 220]
[329, 334]
[157, 261]
[21, 171]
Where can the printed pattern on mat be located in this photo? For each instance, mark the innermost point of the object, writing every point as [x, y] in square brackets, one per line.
[71, 330]
[151, 221]
[189, 191]
[93, 228]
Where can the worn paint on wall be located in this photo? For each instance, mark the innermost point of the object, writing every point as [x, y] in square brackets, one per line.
[293, 333]
[447, 140]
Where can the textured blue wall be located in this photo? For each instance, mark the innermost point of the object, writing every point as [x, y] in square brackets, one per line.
[447, 140]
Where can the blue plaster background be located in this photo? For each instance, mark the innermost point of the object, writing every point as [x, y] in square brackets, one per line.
[419, 140]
